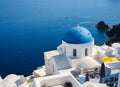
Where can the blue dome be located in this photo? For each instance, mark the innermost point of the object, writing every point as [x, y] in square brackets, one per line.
[78, 35]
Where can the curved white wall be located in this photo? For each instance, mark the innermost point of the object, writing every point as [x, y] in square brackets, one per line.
[68, 49]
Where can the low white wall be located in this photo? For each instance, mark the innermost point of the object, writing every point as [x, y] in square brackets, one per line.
[56, 80]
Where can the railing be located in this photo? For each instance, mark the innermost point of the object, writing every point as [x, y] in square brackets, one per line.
[111, 84]
[111, 81]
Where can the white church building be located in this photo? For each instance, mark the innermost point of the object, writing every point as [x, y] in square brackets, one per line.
[74, 52]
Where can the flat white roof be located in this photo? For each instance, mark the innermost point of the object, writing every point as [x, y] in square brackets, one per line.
[50, 54]
[67, 70]
[40, 71]
[87, 63]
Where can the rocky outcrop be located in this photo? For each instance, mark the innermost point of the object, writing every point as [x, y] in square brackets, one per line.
[114, 32]
[102, 26]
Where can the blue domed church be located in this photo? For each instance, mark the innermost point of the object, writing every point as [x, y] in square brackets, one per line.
[77, 44]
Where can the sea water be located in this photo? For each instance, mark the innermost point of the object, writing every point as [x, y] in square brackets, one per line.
[30, 27]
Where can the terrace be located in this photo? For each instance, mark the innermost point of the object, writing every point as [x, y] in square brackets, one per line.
[59, 80]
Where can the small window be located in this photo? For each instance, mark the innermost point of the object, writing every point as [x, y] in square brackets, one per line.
[53, 68]
[74, 52]
[64, 50]
[86, 52]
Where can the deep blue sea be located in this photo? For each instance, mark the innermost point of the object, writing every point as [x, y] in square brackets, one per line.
[30, 27]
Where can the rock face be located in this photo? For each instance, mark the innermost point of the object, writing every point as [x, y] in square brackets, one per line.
[114, 34]
[102, 26]
[115, 31]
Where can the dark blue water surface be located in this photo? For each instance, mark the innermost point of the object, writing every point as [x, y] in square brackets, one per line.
[30, 27]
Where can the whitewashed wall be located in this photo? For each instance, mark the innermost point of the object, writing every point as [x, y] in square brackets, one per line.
[79, 47]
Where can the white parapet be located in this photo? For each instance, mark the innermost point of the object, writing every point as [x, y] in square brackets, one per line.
[0, 79]
[56, 80]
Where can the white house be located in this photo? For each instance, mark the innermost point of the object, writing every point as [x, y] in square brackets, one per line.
[13, 80]
[77, 44]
